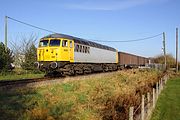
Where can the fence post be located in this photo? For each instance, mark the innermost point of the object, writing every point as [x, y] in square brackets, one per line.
[166, 78]
[142, 108]
[161, 84]
[157, 91]
[148, 105]
[131, 110]
[154, 98]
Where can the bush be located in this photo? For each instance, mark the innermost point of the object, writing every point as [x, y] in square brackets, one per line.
[6, 58]
[29, 57]
[170, 60]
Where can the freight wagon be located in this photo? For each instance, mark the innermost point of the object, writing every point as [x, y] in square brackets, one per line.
[131, 60]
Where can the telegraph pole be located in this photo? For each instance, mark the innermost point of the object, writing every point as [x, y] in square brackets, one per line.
[6, 32]
[176, 49]
[164, 49]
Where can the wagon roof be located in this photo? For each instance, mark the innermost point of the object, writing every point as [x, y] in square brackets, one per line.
[120, 52]
[80, 40]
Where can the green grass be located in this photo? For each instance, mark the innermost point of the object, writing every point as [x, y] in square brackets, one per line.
[21, 76]
[102, 96]
[19, 73]
[168, 105]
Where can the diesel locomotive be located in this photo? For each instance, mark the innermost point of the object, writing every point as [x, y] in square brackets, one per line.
[72, 55]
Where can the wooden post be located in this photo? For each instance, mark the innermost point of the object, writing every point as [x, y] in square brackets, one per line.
[142, 108]
[159, 87]
[148, 105]
[131, 110]
[157, 91]
[161, 84]
[164, 49]
[165, 79]
[176, 49]
[154, 98]
[5, 40]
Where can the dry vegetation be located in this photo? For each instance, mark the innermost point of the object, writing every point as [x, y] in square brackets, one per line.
[104, 96]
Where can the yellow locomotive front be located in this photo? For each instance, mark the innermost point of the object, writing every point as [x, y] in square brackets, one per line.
[53, 53]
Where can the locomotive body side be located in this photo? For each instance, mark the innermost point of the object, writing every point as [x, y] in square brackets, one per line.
[94, 55]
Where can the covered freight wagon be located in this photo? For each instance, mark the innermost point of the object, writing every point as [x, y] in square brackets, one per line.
[132, 60]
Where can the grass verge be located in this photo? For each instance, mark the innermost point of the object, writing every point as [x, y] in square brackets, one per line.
[168, 104]
[21, 76]
[103, 96]
[18, 74]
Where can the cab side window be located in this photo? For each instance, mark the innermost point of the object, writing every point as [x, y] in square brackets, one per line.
[70, 44]
[64, 43]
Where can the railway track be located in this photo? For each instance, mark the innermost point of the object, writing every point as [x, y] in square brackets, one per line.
[22, 81]
[14, 83]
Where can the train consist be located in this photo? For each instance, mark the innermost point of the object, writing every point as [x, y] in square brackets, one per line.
[71, 55]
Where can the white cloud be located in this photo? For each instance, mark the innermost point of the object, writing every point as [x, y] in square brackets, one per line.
[108, 4]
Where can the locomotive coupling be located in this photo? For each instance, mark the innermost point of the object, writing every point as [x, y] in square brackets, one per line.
[53, 65]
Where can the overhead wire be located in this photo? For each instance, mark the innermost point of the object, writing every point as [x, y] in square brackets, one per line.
[133, 40]
[31, 25]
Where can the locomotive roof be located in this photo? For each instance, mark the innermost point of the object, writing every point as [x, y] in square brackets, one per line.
[80, 40]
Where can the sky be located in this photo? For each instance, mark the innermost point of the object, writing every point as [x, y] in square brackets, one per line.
[106, 20]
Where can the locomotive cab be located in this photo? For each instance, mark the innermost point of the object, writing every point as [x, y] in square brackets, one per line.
[52, 51]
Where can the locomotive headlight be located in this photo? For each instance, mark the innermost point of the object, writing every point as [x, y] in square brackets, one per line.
[36, 65]
[41, 65]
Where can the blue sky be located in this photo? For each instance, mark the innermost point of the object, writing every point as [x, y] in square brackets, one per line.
[97, 20]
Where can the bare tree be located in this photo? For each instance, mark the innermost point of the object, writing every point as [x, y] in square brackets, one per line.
[22, 48]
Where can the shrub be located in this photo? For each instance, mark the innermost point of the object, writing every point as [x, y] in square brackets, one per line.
[29, 57]
[6, 58]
